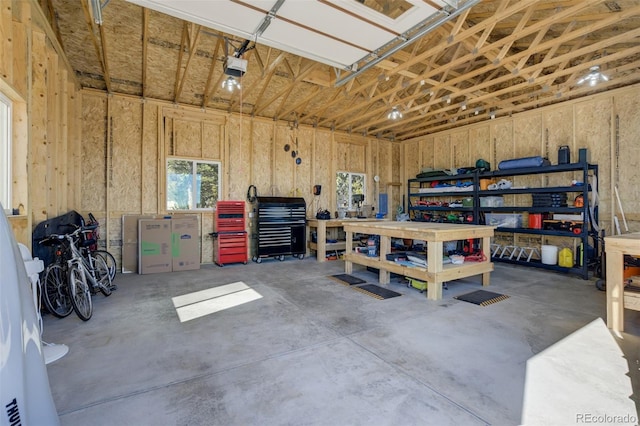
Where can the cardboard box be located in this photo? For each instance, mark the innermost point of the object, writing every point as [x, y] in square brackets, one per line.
[154, 250]
[185, 245]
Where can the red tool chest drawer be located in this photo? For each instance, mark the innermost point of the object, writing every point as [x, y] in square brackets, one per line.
[230, 240]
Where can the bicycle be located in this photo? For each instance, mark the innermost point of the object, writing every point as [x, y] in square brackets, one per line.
[85, 274]
[108, 257]
[54, 284]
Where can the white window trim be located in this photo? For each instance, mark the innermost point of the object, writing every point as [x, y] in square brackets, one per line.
[5, 155]
[195, 161]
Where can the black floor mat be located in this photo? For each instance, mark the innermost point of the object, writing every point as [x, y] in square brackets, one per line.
[347, 279]
[377, 291]
[481, 297]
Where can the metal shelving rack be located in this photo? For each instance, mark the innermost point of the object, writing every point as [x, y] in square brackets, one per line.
[587, 231]
[417, 211]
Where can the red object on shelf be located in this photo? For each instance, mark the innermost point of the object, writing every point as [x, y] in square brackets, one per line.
[230, 240]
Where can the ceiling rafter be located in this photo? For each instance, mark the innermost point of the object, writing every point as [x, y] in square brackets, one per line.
[267, 75]
[100, 53]
[533, 103]
[214, 60]
[544, 79]
[489, 68]
[193, 43]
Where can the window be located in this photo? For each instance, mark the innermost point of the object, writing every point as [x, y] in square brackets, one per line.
[5, 152]
[350, 190]
[192, 184]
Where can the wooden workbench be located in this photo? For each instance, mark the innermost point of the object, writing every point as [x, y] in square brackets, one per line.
[321, 246]
[434, 234]
[616, 247]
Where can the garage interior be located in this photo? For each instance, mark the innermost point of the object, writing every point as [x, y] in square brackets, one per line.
[101, 101]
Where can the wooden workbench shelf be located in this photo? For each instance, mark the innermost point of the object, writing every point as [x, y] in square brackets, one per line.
[434, 234]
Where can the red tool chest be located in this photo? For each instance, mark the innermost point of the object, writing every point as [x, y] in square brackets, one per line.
[230, 239]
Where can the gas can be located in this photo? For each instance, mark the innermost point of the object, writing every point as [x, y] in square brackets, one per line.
[565, 258]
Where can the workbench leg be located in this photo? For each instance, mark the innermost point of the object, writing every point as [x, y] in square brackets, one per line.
[321, 241]
[385, 247]
[615, 290]
[348, 266]
[434, 267]
[486, 249]
[434, 290]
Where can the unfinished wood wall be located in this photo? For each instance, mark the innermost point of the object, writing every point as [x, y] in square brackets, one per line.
[126, 142]
[608, 125]
[34, 74]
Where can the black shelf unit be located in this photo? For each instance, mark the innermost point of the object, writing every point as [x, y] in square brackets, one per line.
[279, 227]
[417, 212]
[478, 212]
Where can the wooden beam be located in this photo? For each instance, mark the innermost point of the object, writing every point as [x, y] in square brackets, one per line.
[183, 43]
[145, 49]
[214, 60]
[193, 45]
[96, 45]
[541, 47]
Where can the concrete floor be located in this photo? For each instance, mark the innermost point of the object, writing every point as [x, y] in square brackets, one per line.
[315, 352]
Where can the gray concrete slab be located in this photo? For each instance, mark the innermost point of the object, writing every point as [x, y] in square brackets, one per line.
[313, 351]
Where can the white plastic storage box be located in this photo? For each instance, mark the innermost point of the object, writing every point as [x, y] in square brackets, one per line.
[492, 201]
[504, 220]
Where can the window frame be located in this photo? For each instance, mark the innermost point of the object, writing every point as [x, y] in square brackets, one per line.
[350, 205]
[6, 141]
[195, 162]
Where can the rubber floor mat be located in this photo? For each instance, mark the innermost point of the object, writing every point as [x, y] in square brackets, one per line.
[347, 279]
[378, 292]
[481, 297]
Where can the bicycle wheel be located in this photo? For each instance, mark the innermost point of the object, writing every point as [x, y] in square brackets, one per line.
[55, 291]
[103, 278]
[109, 260]
[80, 294]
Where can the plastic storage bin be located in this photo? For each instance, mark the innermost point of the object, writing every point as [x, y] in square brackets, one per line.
[504, 220]
[491, 201]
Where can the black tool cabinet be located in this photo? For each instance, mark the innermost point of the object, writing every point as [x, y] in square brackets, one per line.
[279, 227]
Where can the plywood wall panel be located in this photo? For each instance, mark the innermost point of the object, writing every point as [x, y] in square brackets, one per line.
[20, 53]
[150, 159]
[94, 134]
[126, 163]
[39, 136]
[503, 143]
[480, 146]
[283, 168]
[558, 131]
[528, 142]
[6, 35]
[213, 141]
[187, 137]
[239, 161]
[460, 149]
[323, 170]
[627, 111]
[262, 155]
[342, 156]
[412, 162]
[54, 143]
[428, 152]
[303, 171]
[593, 126]
[442, 151]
